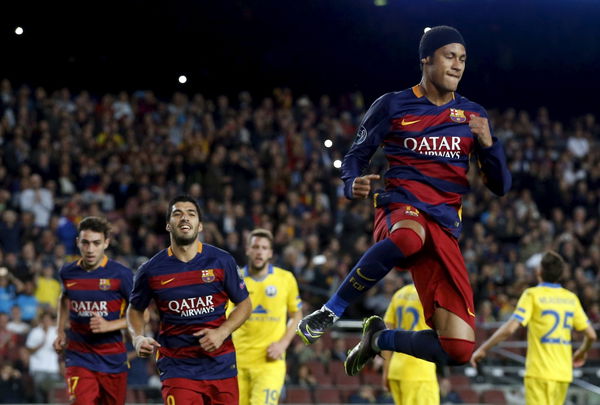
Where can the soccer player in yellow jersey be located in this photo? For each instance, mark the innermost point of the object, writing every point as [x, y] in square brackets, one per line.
[411, 381]
[549, 312]
[262, 340]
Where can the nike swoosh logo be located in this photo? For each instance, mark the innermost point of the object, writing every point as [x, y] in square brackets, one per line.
[163, 282]
[71, 284]
[470, 313]
[409, 122]
[363, 276]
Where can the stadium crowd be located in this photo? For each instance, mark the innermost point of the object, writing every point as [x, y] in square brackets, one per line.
[258, 163]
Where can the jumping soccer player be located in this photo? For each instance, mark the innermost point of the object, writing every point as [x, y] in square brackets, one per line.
[94, 297]
[191, 283]
[428, 134]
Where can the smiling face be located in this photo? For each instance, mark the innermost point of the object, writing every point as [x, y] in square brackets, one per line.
[91, 246]
[184, 223]
[445, 67]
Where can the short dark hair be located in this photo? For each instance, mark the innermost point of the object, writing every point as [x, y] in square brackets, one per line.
[95, 224]
[261, 233]
[552, 267]
[183, 198]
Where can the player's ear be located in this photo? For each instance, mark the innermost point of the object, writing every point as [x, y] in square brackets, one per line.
[200, 227]
[168, 227]
[426, 60]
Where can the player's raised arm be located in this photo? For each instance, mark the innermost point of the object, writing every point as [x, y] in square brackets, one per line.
[490, 156]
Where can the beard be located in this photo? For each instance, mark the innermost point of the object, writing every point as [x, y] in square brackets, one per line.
[258, 268]
[181, 240]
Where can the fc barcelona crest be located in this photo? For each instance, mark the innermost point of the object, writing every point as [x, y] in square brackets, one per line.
[208, 276]
[457, 115]
[104, 284]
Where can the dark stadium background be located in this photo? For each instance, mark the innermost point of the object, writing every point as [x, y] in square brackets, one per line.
[522, 54]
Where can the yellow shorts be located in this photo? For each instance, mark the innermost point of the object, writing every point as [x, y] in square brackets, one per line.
[261, 385]
[415, 392]
[547, 392]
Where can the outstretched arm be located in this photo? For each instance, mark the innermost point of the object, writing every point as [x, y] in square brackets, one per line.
[499, 336]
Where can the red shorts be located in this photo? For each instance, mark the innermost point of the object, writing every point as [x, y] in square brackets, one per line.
[182, 391]
[438, 269]
[87, 387]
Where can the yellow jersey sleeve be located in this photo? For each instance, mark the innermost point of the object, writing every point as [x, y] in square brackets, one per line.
[405, 312]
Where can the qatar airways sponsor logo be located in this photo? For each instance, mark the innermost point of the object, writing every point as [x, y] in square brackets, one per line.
[89, 308]
[444, 146]
[192, 306]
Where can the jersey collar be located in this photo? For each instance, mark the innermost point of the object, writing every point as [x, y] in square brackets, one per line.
[102, 263]
[551, 285]
[246, 271]
[170, 251]
[418, 92]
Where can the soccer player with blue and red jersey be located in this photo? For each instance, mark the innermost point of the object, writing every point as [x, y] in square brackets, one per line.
[428, 134]
[191, 283]
[94, 297]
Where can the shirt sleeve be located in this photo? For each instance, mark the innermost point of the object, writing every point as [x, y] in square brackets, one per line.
[140, 293]
[294, 301]
[524, 308]
[374, 126]
[234, 283]
[580, 319]
[492, 163]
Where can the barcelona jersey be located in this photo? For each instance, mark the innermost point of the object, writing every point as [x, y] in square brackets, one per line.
[428, 149]
[550, 313]
[103, 291]
[405, 312]
[190, 296]
[273, 298]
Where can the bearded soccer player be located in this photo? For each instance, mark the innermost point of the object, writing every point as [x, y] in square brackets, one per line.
[94, 297]
[550, 313]
[428, 134]
[262, 340]
[191, 283]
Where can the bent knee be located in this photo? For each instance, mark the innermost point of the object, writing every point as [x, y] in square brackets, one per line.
[459, 351]
[407, 240]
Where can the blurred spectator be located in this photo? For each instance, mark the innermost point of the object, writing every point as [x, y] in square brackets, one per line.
[447, 393]
[339, 351]
[38, 200]
[11, 385]
[16, 324]
[364, 395]
[8, 340]
[9, 286]
[47, 288]
[10, 232]
[43, 363]
[27, 302]
[304, 377]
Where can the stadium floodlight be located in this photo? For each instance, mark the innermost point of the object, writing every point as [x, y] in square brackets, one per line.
[19, 30]
[337, 163]
[328, 143]
[182, 79]
[426, 29]
[470, 371]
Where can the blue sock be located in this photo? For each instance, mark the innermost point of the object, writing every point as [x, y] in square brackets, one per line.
[377, 261]
[423, 344]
